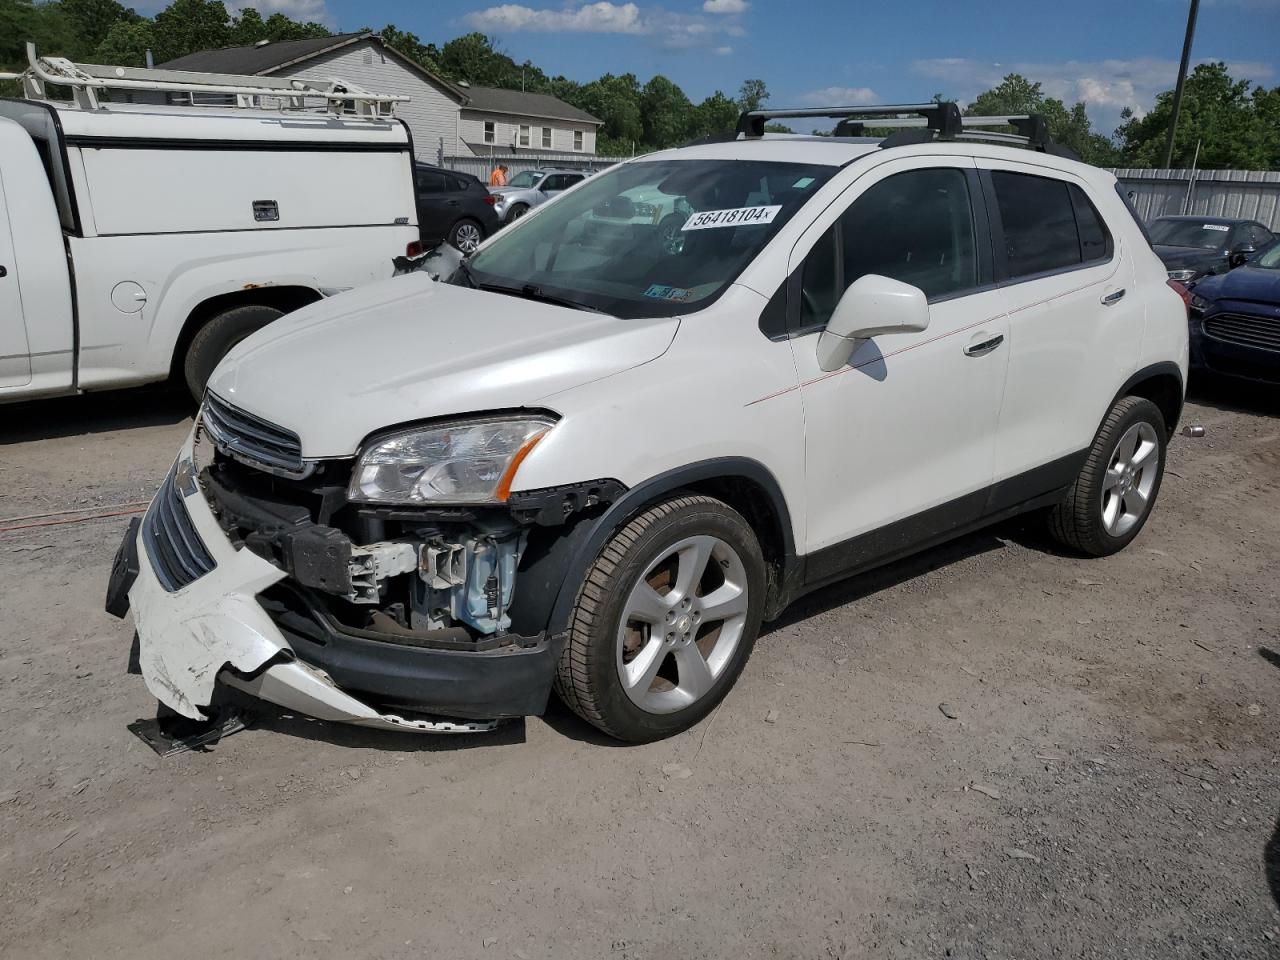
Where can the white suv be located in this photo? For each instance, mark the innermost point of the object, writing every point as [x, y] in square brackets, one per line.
[596, 460]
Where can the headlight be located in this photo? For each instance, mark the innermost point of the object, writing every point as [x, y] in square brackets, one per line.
[1182, 276]
[466, 462]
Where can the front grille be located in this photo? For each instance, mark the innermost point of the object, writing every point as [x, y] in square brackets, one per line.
[1260, 332]
[178, 555]
[253, 440]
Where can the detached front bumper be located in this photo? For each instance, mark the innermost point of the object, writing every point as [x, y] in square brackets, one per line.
[205, 621]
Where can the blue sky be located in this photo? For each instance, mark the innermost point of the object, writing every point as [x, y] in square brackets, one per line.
[1109, 53]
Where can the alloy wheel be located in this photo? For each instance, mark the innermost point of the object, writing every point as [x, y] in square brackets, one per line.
[681, 624]
[1130, 479]
[467, 237]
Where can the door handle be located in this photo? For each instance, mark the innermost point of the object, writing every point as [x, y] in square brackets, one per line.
[1115, 296]
[983, 347]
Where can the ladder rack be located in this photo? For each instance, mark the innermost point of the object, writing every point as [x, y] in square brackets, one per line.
[87, 80]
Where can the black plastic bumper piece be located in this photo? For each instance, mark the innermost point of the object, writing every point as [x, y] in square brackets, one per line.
[124, 570]
[509, 681]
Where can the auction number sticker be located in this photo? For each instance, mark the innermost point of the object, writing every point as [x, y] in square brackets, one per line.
[737, 217]
[1222, 228]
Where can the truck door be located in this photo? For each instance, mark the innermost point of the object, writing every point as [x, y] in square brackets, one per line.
[15, 353]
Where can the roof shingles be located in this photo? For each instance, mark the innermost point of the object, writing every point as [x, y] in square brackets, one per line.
[496, 100]
[257, 59]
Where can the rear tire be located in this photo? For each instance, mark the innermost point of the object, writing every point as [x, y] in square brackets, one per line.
[466, 235]
[215, 339]
[1111, 499]
[665, 621]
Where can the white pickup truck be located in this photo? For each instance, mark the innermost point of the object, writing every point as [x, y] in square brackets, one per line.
[142, 240]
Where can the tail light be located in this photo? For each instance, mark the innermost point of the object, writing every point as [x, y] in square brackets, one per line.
[491, 200]
[413, 250]
[1183, 292]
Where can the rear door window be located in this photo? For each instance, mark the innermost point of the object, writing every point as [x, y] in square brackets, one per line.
[430, 181]
[1040, 233]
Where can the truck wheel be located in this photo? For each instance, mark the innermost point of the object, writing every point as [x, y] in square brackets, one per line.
[215, 339]
[665, 620]
[1112, 497]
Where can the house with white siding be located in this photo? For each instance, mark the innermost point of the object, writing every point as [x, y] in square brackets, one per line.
[446, 119]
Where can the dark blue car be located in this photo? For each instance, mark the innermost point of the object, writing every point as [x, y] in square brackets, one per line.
[1235, 320]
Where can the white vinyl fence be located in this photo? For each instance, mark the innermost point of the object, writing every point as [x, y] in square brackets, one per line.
[1247, 194]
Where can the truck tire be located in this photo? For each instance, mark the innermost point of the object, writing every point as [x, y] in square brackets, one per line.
[665, 620]
[1110, 501]
[215, 339]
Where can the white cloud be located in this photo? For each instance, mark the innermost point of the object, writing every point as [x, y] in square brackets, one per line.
[672, 31]
[1105, 86]
[603, 17]
[839, 97]
[725, 6]
[722, 51]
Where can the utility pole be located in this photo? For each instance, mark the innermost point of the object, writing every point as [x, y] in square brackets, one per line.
[1182, 78]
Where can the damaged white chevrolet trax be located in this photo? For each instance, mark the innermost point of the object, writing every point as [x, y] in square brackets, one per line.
[649, 415]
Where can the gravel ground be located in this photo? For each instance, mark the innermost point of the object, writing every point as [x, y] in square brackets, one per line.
[994, 750]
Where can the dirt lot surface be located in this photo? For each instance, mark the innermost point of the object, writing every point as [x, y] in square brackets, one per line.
[1102, 780]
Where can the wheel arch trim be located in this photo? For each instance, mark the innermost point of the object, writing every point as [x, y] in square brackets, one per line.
[626, 506]
[1155, 371]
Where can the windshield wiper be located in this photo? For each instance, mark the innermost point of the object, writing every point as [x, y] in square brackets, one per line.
[531, 291]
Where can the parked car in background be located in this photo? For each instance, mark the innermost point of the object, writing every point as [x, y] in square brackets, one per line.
[1235, 320]
[531, 188]
[595, 460]
[1194, 247]
[455, 207]
[141, 241]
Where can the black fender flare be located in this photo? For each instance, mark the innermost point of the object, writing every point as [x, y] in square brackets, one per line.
[1161, 369]
[549, 584]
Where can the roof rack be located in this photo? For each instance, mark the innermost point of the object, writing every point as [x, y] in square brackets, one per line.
[87, 80]
[917, 123]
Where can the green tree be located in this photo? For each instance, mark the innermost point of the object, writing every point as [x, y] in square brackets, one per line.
[752, 95]
[1016, 94]
[616, 101]
[714, 115]
[411, 46]
[186, 26]
[666, 113]
[45, 24]
[1236, 126]
[125, 44]
[92, 20]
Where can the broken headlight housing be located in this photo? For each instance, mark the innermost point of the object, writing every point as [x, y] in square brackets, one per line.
[470, 461]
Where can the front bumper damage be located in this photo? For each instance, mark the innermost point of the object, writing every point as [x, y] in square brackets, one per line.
[247, 625]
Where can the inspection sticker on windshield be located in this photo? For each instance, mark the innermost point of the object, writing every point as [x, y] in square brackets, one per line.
[660, 291]
[737, 217]
[1216, 226]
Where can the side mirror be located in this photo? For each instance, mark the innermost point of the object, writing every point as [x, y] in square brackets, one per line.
[872, 307]
[1240, 253]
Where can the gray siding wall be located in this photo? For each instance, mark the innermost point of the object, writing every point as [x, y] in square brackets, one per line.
[1247, 194]
[506, 130]
[432, 115]
[483, 166]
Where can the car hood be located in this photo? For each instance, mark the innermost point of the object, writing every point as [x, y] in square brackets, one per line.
[411, 349]
[1188, 258]
[1256, 284]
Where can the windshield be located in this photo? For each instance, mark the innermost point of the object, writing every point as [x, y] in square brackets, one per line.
[1190, 233]
[526, 178]
[648, 239]
[1268, 257]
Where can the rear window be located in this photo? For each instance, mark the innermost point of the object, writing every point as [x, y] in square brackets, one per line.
[1049, 225]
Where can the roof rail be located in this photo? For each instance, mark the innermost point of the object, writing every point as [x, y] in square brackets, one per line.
[918, 123]
[87, 80]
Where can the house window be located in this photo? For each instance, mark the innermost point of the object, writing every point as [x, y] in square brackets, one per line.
[577, 140]
[490, 132]
[546, 138]
[524, 135]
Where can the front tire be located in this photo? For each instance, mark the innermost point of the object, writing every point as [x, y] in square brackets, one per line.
[466, 235]
[665, 621]
[1111, 499]
[215, 339]
[516, 212]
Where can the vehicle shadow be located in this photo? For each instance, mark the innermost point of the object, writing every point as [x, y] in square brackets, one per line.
[1234, 396]
[93, 413]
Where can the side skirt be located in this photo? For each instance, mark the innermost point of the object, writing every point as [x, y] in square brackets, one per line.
[1040, 487]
